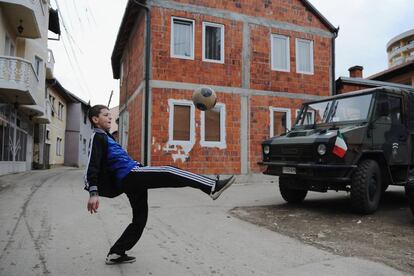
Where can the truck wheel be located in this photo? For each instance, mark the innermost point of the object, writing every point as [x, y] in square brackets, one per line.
[410, 195]
[366, 187]
[289, 194]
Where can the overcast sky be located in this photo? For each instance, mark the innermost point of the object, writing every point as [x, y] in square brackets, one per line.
[83, 55]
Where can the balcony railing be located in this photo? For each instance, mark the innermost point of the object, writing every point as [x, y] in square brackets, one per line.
[18, 80]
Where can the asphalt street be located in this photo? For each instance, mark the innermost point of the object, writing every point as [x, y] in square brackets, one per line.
[46, 230]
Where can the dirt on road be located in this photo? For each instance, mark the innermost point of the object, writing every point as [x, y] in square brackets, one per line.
[386, 236]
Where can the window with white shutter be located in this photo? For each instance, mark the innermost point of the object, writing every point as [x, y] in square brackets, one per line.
[280, 53]
[304, 56]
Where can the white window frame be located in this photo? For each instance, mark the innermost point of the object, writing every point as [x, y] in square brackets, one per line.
[59, 146]
[312, 115]
[274, 68]
[218, 144]
[221, 26]
[172, 38]
[171, 104]
[60, 110]
[288, 118]
[38, 65]
[310, 55]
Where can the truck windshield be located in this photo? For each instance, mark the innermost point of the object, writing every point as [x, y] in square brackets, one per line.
[335, 110]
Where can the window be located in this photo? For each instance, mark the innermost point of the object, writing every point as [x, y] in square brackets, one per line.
[9, 48]
[280, 53]
[213, 42]
[84, 146]
[309, 118]
[388, 109]
[59, 146]
[213, 127]
[38, 65]
[280, 121]
[47, 134]
[304, 56]
[181, 122]
[60, 111]
[52, 104]
[182, 38]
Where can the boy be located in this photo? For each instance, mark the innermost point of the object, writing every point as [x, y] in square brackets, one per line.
[111, 172]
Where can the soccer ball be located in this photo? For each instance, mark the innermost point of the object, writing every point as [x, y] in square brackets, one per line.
[204, 98]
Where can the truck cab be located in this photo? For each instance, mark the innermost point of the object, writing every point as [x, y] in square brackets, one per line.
[359, 142]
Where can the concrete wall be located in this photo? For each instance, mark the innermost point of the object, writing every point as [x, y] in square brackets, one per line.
[57, 129]
[85, 132]
[76, 132]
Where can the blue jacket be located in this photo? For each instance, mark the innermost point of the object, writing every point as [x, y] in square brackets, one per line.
[108, 165]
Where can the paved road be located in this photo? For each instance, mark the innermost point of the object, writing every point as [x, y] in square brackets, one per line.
[45, 230]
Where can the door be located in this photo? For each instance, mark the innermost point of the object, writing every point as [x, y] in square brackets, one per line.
[46, 155]
[389, 133]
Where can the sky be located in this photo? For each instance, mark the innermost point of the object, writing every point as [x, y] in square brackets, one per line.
[89, 30]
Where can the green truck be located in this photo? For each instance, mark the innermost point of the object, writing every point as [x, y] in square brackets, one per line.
[360, 142]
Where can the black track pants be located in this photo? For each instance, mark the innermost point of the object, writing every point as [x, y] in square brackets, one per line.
[135, 186]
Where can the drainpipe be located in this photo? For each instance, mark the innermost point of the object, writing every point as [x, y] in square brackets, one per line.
[333, 61]
[147, 75]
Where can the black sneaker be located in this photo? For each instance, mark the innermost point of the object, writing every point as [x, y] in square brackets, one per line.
[222, 185]
[119, 259]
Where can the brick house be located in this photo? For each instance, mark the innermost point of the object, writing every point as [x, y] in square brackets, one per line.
[263, 59]
[399, 76]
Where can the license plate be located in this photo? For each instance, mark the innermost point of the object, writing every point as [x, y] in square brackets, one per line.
[289, 170]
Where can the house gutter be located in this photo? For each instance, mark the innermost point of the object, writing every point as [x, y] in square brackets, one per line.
[147, 76]
[333, 61]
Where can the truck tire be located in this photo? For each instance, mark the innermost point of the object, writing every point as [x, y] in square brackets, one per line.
[289, 194]
[366, 187]
[410, 195]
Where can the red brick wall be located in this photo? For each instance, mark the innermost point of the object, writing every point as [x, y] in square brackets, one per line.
[292, 11]
[133, 62]
[407, 79]
[264, 78]
[348, 87]
[195, 71]
[135, 127]
[199, 159]
[214, 160]
[260, 123]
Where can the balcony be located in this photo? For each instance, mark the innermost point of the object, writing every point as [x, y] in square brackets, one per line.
[23, 16]
[18, 81]
[50, 64]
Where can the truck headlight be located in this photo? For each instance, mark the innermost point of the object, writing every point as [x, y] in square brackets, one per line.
[321, 149]
[266, 150]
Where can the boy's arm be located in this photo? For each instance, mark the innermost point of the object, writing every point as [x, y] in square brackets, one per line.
[94, 168]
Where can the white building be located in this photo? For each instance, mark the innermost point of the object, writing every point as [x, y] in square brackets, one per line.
[25, 62]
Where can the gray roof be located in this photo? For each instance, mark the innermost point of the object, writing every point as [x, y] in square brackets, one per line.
[374, 83]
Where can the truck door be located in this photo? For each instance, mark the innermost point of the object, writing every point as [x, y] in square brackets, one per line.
[389, 133]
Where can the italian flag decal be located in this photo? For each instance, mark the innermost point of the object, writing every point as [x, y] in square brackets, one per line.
[340, 147]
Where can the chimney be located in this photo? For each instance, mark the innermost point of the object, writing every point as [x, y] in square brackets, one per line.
[355, 71]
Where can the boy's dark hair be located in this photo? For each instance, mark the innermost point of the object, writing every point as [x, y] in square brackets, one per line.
[95, 110]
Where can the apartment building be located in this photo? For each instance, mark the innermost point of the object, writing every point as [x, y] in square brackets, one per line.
[24, 63]
[400, 71]
[263, 59]
[70, 130]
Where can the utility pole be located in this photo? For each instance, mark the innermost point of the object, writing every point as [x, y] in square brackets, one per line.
[110, 98]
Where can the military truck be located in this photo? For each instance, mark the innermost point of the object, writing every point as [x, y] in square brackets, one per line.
[360, 142]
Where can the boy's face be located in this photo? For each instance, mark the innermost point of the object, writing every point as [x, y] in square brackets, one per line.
[103, 120]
